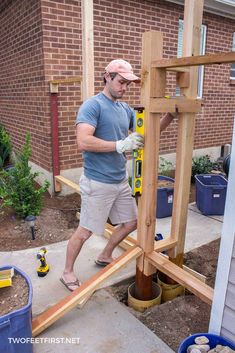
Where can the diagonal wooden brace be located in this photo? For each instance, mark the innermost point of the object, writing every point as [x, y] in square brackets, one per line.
[51, 315]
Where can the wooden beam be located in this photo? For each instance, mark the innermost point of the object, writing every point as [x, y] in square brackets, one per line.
[65, 181]
[187, 280]
[87, 49]
[156, 89]
[209, 59]
[171, 105]
[159, 246]
[126, 244]
[51, 315]
[129, 241]
[152, 48]
[186, 126]
[66, 80]
[178, 69]
[182, 79]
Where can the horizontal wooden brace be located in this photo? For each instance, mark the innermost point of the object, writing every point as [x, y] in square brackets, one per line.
[65, 181]
[187, 280]
[172, 105]
[178, 69]
[210, 59]
[129, 241]
[159, 246]
[54, 84]
[66, 80]
[51, 315]
[165, 244]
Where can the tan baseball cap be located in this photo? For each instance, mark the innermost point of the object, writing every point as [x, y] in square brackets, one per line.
[123, 68]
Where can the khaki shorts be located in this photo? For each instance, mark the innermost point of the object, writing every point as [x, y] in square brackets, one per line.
[101, 201]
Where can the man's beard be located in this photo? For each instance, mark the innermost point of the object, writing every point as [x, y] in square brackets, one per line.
[115, 95]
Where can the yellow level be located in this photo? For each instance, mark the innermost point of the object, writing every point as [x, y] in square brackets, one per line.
[138, 155]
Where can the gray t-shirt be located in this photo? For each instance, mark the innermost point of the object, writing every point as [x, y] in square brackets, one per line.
[111, 120]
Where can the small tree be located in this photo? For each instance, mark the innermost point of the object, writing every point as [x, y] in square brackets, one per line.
[18, 188]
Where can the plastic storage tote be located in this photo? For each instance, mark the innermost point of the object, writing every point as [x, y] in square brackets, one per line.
[165, 198]
[17, 325]
[211, 193]
[213, 341]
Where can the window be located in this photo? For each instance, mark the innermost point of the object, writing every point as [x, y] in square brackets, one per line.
[201, 52]
[232, 68]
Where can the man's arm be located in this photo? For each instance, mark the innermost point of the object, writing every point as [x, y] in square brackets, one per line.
[88, 142]
[166, 120]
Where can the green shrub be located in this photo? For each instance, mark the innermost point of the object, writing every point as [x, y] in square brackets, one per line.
[165, 167]
[202, 165]
[5, 147]
[17, 185]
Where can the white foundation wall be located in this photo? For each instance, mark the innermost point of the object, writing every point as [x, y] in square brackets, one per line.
[75, 173]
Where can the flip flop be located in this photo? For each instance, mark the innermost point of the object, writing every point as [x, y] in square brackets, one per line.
[102, 263]
[70, 284]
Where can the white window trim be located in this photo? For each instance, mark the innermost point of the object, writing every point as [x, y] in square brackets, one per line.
[201, 67]
[232, 66]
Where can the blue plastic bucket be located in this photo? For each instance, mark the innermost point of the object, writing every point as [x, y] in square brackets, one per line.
[165, 198]
[211, 193]
[16, 326]
[213, 341]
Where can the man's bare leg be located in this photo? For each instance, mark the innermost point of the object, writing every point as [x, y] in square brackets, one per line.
[118, 235]
[73, 249]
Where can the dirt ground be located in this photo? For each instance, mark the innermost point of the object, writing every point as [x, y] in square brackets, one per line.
[171, 321]
[56, 222]
[14, 297]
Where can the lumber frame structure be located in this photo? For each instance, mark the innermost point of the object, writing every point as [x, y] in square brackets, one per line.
[145, 249]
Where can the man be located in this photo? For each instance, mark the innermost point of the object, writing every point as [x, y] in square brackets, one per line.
[102, 135]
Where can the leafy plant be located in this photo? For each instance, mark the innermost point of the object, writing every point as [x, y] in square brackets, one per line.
[5, 147]
[17, 186]
[202, 165]
[165, 167]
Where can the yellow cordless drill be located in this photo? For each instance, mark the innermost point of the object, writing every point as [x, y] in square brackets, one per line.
[43, 269]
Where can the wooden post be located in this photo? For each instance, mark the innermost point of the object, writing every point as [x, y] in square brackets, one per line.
[193, 11]
[87, 49]
[151, 50]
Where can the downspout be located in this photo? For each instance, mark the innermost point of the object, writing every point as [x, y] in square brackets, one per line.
[54, 90]
[55, 134]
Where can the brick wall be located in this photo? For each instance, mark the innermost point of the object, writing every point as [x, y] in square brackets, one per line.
[118, 33]
[62, 46]
[42, 40]
[23, 104]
